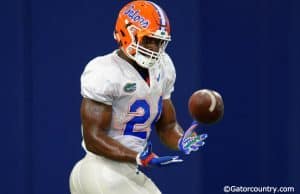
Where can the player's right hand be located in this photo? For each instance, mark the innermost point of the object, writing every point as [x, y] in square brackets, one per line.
[148, 158]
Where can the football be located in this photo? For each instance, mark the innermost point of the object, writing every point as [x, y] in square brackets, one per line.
[206, 106]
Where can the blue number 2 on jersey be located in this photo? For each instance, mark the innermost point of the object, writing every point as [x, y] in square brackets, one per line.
[141, 119]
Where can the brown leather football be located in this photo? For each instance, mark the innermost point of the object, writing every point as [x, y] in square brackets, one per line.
[206, 106]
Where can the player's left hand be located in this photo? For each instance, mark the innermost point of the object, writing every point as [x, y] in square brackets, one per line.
[148, 158]
[190, 141]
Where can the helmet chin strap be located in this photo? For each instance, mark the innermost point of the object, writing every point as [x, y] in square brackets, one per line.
[146, 62]
[142, 56]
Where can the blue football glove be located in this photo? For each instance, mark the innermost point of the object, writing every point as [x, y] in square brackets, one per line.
[148, 158]
[190, 141]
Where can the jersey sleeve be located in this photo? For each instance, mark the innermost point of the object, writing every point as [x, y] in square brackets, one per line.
[98, 82]
[170, 76]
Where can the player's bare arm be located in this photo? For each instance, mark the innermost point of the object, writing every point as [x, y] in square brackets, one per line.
[96, 120]
[167, 127]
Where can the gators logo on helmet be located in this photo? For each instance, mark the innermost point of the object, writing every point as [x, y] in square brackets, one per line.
[135, 16]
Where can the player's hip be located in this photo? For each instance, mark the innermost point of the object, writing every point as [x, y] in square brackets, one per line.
[103, 163]
[96, 174]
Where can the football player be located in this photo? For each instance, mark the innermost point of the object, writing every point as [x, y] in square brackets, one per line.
[125, 95]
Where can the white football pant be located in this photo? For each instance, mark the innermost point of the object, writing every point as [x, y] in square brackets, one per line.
[98, 175]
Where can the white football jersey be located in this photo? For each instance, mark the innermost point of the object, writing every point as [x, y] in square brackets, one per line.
[136, 106]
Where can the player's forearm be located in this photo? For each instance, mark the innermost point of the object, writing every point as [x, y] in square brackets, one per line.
[103, 145]
[170, 135]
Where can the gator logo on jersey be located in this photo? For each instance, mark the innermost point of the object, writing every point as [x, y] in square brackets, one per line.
[130, 87]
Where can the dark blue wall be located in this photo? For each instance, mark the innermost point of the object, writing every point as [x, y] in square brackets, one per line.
[247, 50]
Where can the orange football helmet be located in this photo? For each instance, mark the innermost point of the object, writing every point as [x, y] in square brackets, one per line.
[136, 20]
